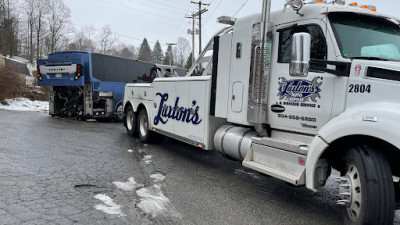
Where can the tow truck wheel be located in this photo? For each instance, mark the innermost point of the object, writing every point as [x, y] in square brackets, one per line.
[366, 188]
[130, 121]
[144, 132]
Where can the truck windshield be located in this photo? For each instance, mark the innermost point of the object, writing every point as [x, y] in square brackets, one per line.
[368, 37]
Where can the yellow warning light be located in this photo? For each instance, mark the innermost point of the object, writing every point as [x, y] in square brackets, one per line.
[200, 145]
[319, 0]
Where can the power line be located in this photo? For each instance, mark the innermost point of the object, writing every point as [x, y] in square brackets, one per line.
[199, 13]
[117, 34]
[155, 5]
[241, 7]
[181, 23]
[135, 9]
[211, 8]
[183, 6]
[209, 15]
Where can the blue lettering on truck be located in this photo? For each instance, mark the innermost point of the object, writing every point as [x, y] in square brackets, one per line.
[165, 112]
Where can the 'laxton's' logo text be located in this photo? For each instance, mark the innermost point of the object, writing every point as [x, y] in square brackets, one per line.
[299, 90]
[165, 112]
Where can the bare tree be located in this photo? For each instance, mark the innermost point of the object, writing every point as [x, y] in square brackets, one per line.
[107, 39]
[8, 29]
[181, 51]
[41, 12]
[82, 40]
[59, 24]
[29, 12]
[126, 51]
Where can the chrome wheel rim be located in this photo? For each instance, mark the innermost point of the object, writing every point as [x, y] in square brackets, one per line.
[350, 192]
[143, 125]
[129, 120]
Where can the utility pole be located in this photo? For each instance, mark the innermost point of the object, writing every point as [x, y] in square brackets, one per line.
[201, 11]
[193, 34]
[170, 53]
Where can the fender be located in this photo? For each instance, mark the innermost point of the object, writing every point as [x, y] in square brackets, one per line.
[379, 120]
[135, 105]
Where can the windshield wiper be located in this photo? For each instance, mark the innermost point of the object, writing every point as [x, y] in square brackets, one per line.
[369, 58]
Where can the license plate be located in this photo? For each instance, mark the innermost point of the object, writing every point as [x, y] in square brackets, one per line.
[59, 75]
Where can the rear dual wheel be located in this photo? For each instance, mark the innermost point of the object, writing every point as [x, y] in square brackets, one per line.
[130, 121]
[144, 132]
[146, 135]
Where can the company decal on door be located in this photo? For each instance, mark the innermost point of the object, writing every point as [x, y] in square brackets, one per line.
[300, 92]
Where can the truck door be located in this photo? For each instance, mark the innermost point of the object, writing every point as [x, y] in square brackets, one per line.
[301, 104]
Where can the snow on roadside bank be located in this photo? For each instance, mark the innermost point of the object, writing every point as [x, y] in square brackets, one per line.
[24, 104]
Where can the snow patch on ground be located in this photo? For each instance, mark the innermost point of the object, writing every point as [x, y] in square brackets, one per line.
[154, 202]
[157, 178]
[32, 68]
[30, 81]
[109, 207]
[146, 159]
[24, 104]
[130, 185]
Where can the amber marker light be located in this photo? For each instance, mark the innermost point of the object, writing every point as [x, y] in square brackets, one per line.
[372, 8]
[353, 4]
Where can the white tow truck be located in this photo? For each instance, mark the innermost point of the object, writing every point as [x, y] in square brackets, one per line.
[293, 94]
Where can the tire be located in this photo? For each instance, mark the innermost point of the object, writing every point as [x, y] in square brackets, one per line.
[145, 134]
[372, 198]
[130, 121]
[119, 113]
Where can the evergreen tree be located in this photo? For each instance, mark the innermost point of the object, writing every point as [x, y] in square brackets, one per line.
[158, 55]
[145, 51]
[168, 54]
[188, 63]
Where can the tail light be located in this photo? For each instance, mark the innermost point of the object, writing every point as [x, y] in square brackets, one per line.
[39, 76]
[79, 71]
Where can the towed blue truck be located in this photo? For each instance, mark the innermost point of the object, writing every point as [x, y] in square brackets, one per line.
[89, 85]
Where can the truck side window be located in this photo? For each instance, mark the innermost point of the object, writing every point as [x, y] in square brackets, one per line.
[318, 42]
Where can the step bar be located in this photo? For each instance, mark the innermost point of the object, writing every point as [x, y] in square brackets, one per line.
[278, 158]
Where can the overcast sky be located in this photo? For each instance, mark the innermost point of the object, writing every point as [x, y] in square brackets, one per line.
[164, 20]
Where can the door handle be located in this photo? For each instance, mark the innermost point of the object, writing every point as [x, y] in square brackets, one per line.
[277, 108]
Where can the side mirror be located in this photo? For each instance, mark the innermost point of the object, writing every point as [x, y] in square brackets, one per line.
[301, 49]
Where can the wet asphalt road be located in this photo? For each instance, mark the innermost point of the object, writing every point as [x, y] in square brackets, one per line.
[51, 169]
